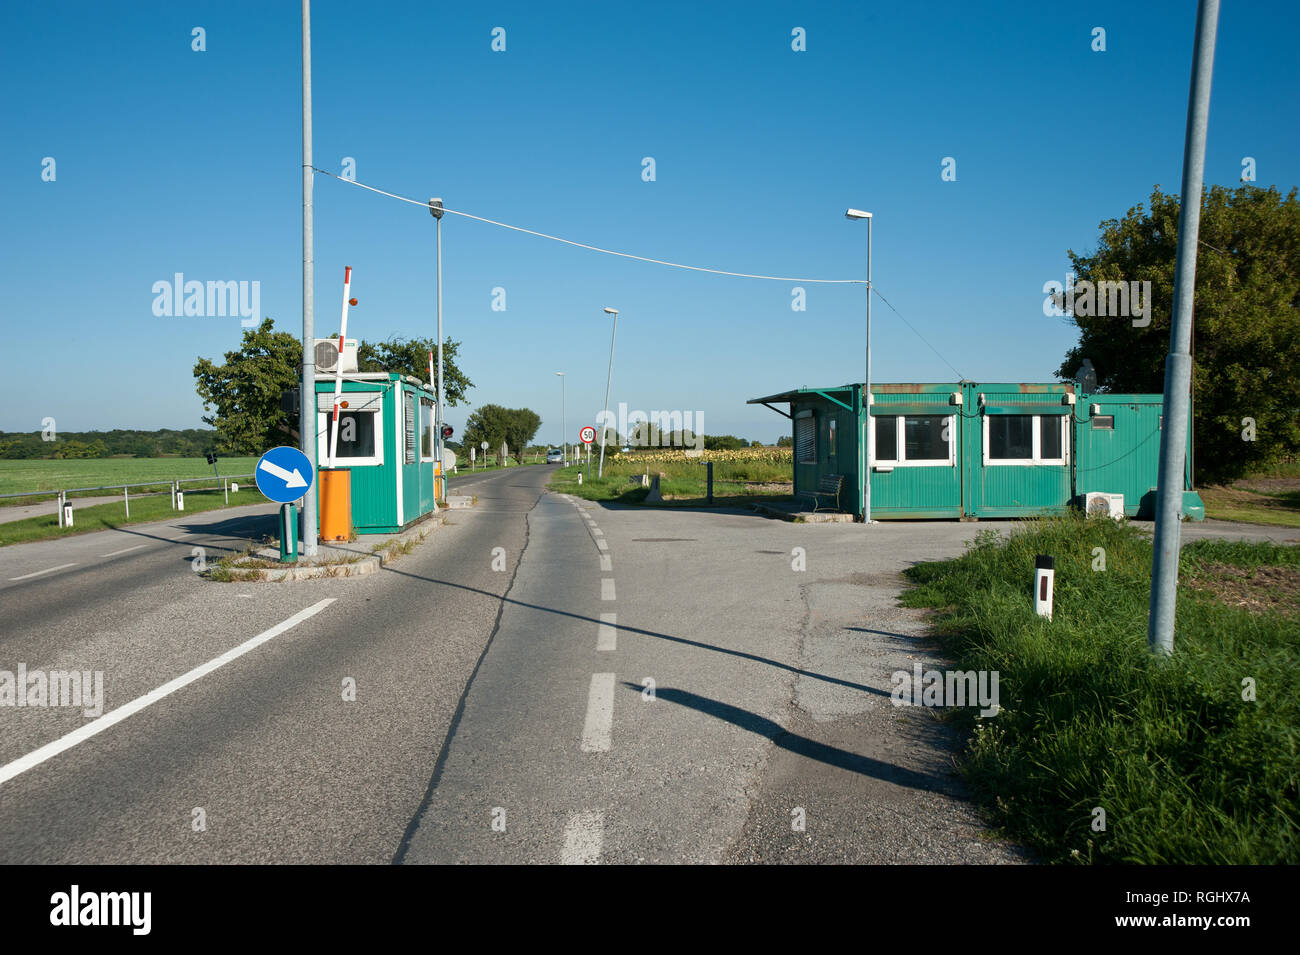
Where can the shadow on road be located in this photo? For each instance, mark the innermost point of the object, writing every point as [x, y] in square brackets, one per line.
[799, 745]
[624, 628]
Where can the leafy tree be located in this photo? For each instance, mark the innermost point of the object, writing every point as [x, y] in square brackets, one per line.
[785, 441]
[516, 427]
[410, 356]
[1246, 341]
[724, 442]
[244, 393]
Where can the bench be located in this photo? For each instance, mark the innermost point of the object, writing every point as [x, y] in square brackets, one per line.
[828, 489]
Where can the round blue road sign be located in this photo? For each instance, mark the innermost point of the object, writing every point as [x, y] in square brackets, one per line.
[284, 474]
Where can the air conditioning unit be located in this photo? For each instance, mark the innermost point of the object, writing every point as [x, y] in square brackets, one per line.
[327, 355]
[1100, 504]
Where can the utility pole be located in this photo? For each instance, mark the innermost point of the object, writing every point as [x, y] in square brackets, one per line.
[1178, 365]
[307, 406]
[435, 209]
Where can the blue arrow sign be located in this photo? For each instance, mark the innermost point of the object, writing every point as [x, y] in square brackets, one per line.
[284, 474]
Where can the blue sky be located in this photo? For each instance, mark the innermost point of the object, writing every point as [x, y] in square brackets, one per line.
[170, 160]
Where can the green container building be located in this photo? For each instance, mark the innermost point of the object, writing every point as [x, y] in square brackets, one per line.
[969, 450]
[386, 440]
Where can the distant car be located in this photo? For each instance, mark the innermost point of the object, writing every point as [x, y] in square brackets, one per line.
[554, 456]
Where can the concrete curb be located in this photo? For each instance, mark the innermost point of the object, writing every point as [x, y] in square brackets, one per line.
[804, 517]
[361, 567]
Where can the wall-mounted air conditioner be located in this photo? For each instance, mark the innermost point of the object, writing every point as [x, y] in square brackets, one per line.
[327, 355]
[1100, 504]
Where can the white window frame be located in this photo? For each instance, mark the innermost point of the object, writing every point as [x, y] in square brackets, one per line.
[323, 445]
[1036, 430]
[428, 421]
[901, 445]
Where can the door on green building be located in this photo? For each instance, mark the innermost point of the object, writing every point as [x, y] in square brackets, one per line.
[914, 470]
[1024, 463]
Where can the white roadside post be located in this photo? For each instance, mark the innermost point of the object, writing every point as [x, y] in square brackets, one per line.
[1044, 583]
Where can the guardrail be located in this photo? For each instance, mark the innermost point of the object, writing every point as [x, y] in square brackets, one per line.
[173, 487]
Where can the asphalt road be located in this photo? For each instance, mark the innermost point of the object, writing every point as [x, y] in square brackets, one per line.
[542, 680]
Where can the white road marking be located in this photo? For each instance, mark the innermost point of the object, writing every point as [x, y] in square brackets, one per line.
[600, 714]
[596, 531]
[113, 717]
[47, 570]
[126, 550]
[583, 837]
[607, 588]
[602, 544]
[607, 633]
[606, 564]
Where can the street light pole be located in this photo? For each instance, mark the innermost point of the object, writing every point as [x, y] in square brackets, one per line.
[1178, 363]
[600, 469]
[435, 209]
[564, 422]
[307, 404]
[864, 456]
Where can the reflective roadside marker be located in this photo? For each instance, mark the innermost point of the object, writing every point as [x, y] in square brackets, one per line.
[1044, 578]
[67, 514]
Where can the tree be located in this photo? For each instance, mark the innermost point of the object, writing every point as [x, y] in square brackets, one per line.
[1246, 341]
[410, 356]
[244, 392]
[516, 427]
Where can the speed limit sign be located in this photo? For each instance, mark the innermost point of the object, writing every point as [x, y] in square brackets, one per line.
[587, 435]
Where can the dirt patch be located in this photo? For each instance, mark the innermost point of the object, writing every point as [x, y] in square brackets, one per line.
[1271, 485]
[1256, 589]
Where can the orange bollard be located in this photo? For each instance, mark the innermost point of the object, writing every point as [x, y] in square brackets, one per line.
[335, 504]
[438, 491]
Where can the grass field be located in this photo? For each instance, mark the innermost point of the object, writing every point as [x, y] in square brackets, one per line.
[740, 479]
[101, 517]
[1187, 768]
[19, 476]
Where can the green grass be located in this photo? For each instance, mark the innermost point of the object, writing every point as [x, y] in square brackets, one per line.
[1280, 508]
[1186, 770]
[686, 483]
[101, 517]
[19, 476]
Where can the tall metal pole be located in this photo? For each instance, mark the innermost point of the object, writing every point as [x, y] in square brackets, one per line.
[866, 445]
[1178, 365]
[307, 406]
[600, 469]
[435, 207]
[564, 422]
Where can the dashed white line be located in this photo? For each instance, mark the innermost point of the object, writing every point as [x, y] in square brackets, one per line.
[597, 532]
[607, 632]
[602, 544]
[113, 717]
[606, 563]
[125, 550]
[47, 570]
[600, 714]
[607, 588]
[583, 838]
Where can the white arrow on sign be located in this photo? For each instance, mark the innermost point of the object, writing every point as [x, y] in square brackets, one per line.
[290, 478]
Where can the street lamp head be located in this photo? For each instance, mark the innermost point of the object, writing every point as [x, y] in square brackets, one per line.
[856, 214]
[610, 311]
[560, 373]
[435, 207]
